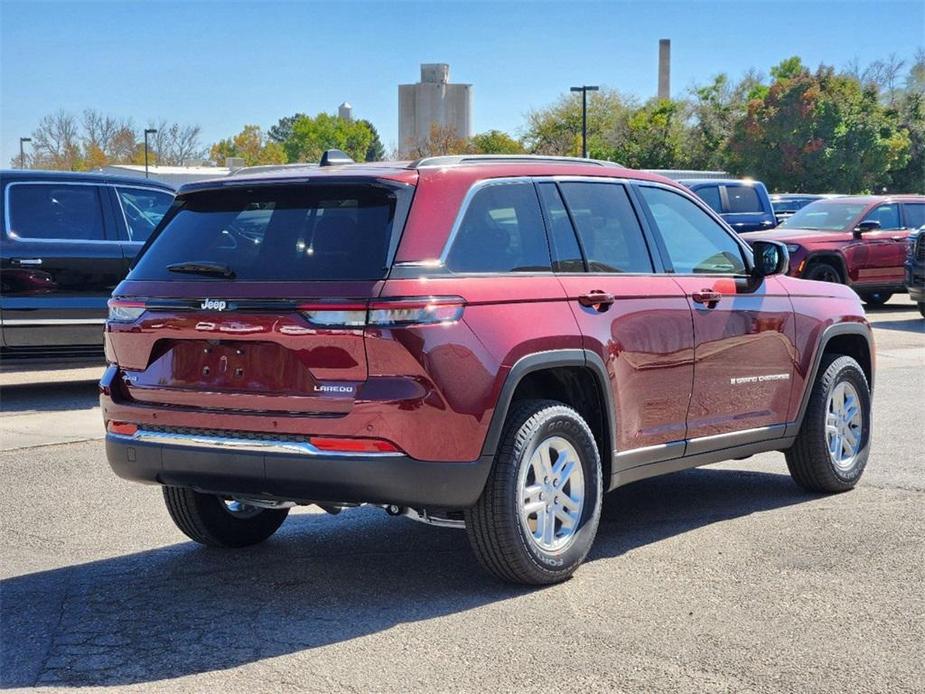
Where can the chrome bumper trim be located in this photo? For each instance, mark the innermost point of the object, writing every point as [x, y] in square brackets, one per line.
[241, 444]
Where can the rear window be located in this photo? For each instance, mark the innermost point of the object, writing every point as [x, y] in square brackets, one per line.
[304, 232]
[742, 199]
[710, 195]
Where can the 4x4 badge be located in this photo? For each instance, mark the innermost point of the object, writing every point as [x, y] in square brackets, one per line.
[213, 304]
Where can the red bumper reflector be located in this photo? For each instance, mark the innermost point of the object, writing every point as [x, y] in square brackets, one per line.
[121, 428]
[343, 445]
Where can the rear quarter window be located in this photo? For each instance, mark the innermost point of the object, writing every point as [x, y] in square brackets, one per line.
[292, 232]
[743, 199]
[55, 211]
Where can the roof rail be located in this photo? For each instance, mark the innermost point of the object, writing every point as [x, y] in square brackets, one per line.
[461, 159]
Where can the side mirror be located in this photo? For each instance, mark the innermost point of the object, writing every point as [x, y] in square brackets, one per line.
[866, 225]
[771, 258]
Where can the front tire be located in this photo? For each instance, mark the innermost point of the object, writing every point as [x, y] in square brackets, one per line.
[538, 514]
[823, 272]
[831, 450]
[876, 298]
[216, 522]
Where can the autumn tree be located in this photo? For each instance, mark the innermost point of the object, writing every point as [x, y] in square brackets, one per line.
[817, 132]
[713, 111]
[252, 145]
[441, 140]
[495, 142]
[56, 143]
[174, 144]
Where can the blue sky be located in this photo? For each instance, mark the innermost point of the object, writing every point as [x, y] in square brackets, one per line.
[223, 65]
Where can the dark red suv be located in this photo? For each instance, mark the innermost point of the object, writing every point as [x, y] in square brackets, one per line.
[860, 241]
[489, 343]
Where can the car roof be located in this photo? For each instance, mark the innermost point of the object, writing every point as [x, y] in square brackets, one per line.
[718, 181]
[469, 168]
[81, 177]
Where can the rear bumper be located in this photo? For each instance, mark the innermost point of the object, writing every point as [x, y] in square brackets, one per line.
[281, 470]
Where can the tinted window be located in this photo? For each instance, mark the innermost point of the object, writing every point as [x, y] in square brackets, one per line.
[320, 232]
[695, 242]
[56, 212]
[710, 195]
[566, 253]
[742, 199]
[915, 215]
[887, 215]
[825, 215]
[608, 228]
[501, 231]
[143, 210]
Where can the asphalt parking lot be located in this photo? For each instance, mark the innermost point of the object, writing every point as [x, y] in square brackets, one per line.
[726, 578]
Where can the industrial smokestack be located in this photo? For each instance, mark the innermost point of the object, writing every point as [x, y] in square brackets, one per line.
[664, 69]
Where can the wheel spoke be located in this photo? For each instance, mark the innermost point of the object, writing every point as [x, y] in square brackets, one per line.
[535, 507]
[549, 527]
[568, 501]
[532, 492]
[568, 520]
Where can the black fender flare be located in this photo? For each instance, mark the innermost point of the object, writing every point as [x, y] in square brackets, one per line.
[834, 330]
[539, 361]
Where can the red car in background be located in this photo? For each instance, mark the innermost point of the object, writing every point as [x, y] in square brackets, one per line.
[858, 241]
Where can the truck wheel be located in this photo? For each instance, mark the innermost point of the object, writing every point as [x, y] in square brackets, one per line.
[831, 450]
[823, 272]
[539, 511]
[216, 522]
[876, 298]
[922, 308]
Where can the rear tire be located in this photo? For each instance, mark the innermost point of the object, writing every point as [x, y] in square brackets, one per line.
[831, 450]
[538, 514]
[876, 298]
[212, 521]
[823, 272]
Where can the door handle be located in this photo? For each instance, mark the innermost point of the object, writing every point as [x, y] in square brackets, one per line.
[709, 297]
[599, 300]
[25, 261]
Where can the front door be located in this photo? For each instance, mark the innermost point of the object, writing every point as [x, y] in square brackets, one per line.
[59, 265]
[877, 257]
[638, 322]
[743, 328]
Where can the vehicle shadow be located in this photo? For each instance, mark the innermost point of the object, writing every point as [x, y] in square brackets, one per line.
[916, 325]
[48, 397]
[183, 609]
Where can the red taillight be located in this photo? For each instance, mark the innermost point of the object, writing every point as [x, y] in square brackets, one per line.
[344, 445]
[404, 311]
[125, 311]
[121, 428]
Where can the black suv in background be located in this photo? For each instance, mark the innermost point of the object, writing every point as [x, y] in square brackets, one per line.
[915, 268]
[67, 241]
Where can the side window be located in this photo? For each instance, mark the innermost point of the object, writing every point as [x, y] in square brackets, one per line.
[742, 199]
[501, 231]
[695, 242]
[57, 211]
[915, 214]
[887, 215]
[566, 253]
[608, 228]
[143, 209]
[710, 195]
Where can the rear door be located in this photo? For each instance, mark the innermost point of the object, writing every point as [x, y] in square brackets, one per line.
[60, 262]
[743, 329]
[636, 320]
[255, 298]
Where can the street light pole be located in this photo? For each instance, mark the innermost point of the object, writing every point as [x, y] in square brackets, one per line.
[148, 131]
[22, 153]
[584, 89]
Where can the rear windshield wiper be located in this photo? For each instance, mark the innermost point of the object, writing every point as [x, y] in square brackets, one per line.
[203, 268]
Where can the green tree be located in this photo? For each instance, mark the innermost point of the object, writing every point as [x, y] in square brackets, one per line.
[714, 110]
[312, 136]
[556, 129]
[910, 112]
[282, 131]
[652, 137]
[252, 145]
[817, 132]
[375, 151]
[495, 142]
